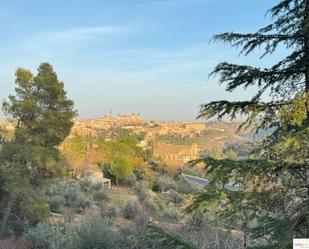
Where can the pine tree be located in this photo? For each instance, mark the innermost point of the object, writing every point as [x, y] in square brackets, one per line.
[275, 181]
[43, 116]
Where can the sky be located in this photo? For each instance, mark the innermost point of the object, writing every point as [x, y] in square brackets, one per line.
[150, 57]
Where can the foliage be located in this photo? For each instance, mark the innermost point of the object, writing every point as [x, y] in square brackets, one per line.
[171, 214]
[101, 195]
[49, 236]
[43, 116]
[163, 183]
[130, 210]
[120, 167]
[142, 190]
[94, 232]
[74, 197]
[159, 238]
[272, 207]
[109, 214]
[67, 194]
[184, 187]
[176, 198]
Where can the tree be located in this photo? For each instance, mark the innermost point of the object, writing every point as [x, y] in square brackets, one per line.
[120, 167]
[43, 117]
[275, 181]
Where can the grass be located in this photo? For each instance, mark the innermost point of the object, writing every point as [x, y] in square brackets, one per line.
[120, 195]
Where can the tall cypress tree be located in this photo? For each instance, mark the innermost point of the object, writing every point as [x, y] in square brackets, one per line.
[275, 179]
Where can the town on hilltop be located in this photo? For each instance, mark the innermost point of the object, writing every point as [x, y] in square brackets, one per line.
[175, 143]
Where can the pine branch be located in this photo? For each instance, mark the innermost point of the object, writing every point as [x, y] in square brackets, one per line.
[249, 42]
[165, 239]
[240, 75]
[251, 109]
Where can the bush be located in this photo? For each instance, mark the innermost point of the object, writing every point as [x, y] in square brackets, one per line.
[85, 184]
[67, 194]
[142, 191]
[163, 183]
[74, 197]
[176, 198]
[109, 214]
[95, 233]
[130, 210]
[49, 236]
[54, 196]
[130, 180]
[96, 186]
[55, 203]
[184, 187]
[101, 195]
[171, 215]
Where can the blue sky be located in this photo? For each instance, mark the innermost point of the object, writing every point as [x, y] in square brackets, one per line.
[147, 56]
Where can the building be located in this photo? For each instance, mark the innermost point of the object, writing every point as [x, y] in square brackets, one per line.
[175, 155]
[93, 174]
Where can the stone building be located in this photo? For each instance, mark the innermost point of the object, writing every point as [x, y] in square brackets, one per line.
[175, 155]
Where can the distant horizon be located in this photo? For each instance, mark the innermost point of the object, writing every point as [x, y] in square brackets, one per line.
[201, 120]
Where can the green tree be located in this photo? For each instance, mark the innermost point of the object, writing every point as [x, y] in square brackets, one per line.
[275, 182]
[120, 167]
[43, 117]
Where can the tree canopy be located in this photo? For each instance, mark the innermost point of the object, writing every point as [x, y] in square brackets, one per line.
[275, 179]
[43, 116]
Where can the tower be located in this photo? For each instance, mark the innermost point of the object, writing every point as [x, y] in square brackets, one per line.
[110, 115]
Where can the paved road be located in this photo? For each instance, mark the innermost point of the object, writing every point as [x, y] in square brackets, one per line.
[203, 182]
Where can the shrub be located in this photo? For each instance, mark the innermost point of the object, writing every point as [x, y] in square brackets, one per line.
[163, 183]
[67, 194]
[74, 197]
[55, 202]
[130, 210]
[171, 214]
[101, 195]
[109, 214]
[176, 198]
[49, 236]
[142, 190]
[95, 233]
[184, 187]
[85, 184]
[130, 180]
[96, 186]
[54, 196]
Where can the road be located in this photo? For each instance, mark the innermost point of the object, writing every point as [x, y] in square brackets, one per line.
[203, 182]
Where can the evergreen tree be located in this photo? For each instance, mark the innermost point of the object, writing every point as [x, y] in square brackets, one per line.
[275, 179]
[120, 167]
[43, 117]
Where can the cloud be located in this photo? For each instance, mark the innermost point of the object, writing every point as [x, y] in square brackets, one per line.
[82, 33]
[45, 42]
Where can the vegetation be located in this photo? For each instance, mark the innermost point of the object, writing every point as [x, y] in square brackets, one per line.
[120, 167]
[43, 116]
[272, 207]
[44, 200]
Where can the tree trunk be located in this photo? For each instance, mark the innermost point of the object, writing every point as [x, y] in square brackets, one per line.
[5, 219]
